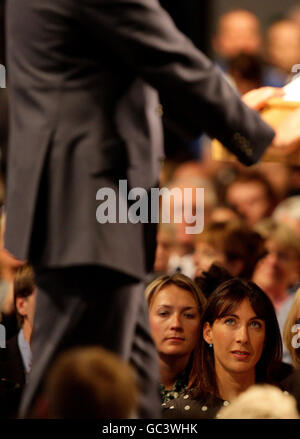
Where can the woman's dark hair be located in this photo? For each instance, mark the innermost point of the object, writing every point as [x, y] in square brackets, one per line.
[211, 279]
[224, 300]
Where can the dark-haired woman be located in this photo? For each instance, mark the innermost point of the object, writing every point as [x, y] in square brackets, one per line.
[239, 345]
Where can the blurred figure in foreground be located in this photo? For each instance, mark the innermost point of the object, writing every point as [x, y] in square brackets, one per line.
[89, 383]
[261, 401]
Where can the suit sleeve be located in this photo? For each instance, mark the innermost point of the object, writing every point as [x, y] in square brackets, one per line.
[195, 94]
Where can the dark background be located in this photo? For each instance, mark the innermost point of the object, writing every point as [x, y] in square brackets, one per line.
[2, 32]
[197, 18]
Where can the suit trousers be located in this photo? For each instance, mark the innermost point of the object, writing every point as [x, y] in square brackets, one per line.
[92, 305]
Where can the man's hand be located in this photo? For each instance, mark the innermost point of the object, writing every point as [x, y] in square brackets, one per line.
[257, 99]
[287, 138]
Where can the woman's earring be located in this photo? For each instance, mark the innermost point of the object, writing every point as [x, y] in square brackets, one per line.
[210, 345]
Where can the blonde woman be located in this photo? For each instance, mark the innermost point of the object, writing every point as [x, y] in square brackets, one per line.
[291, 338]
[291, 332]
[279, 269]
[175, 307]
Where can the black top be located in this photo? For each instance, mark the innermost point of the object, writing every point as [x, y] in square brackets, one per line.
[185, 406]
[12, 379]
[292, 385]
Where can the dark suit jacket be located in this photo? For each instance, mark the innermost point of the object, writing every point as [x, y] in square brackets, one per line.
[12, 378]
[84, 77]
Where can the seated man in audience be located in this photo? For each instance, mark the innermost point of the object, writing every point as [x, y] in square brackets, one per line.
[252, 196]
[283, 46]
[238, 31]
[232, 245]
[187, 205]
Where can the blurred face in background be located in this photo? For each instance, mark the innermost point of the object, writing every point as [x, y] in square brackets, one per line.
[278, 175]
[278, 269]
[250, 200]
[283, 45]
[174, 321]
[205, 255]
[163, 250]
[238, 31]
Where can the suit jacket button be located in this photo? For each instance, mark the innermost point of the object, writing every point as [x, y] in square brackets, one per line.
[160, 110]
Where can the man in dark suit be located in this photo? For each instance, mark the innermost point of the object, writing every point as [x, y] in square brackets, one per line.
[84, 111]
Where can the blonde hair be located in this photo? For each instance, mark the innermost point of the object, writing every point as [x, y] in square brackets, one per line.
[181, 281]
[261, 401]
[288, 335]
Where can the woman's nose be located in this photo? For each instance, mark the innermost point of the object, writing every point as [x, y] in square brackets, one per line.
[242, 334]
[176, 321]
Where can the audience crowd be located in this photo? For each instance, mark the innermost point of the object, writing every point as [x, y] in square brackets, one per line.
[224, 303]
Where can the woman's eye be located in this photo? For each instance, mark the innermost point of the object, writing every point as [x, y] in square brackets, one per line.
[162, 313]
[255, 324]
[189, 315]
[229, 321]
